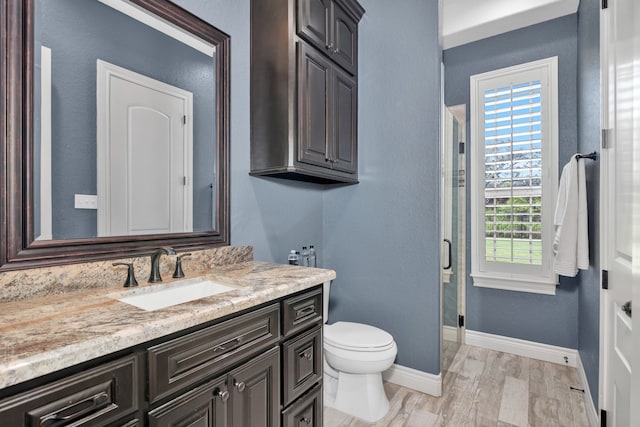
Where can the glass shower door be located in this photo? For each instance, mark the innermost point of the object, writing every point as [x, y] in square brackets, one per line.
[453, 232]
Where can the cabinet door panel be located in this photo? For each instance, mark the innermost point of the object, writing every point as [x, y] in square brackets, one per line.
[345, 122]
[186, 360]
[255, 392]
[302, 364]
[306, 412]
[314, 22]
[301, 311]
[314, 83]
[95, 397]
[345, 40]
[202, 406]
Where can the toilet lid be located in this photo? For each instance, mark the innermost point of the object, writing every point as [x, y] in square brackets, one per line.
[348, 335]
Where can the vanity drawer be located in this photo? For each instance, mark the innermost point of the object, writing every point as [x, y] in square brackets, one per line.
[302, 358]
[301, 311]
[306, 412]
[95, 397]
[183, 361]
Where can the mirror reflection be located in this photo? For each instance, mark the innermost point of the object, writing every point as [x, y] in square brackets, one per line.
[124, 123]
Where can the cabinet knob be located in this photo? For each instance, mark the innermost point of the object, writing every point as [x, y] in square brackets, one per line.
[306, 420]
[222, 394]
[239, 385]
[306, 355]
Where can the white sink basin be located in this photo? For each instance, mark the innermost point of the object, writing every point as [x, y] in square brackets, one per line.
[162, 296]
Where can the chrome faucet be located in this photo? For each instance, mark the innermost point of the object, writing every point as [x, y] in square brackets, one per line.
[155, 262]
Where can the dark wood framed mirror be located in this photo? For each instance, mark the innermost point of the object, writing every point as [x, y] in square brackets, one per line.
[20, 245]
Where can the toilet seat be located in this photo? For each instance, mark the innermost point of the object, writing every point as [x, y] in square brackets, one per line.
[357, 337]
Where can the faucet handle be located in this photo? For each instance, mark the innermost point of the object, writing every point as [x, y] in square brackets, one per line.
[131, 277]
[179, 273]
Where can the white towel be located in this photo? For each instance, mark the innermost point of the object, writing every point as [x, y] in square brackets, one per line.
[571, 243]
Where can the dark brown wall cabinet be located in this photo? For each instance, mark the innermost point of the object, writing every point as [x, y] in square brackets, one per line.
[304, 93]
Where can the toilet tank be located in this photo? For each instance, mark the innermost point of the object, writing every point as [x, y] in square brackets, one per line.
[326, 286]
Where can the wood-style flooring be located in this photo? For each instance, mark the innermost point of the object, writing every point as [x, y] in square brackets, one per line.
[485, 388]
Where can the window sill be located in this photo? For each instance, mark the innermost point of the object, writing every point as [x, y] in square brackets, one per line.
[520, 284]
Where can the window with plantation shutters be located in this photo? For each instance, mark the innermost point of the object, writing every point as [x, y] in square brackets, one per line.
[514, 176]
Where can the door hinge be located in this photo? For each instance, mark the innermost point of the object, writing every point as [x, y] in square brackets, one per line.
[603, 418]
[461, 147]
[460, 321]
[184, 120]
[606, 138]
[605, 4]
[605, 279]
[184, 180]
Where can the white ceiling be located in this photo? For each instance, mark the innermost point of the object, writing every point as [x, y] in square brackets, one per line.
[465, 21]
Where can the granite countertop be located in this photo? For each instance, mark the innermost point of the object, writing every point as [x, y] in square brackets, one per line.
[43, 335]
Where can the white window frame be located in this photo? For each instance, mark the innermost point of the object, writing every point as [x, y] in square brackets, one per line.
[512, 276]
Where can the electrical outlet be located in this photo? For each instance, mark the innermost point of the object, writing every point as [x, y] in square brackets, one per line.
[85, 201]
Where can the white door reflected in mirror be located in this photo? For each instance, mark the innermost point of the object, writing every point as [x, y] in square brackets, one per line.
[145, 160]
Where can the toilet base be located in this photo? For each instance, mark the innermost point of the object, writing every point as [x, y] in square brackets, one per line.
[359, 395]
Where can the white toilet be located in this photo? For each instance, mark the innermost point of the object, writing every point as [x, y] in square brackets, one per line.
[354, 357]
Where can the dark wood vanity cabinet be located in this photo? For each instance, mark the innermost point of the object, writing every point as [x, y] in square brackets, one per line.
[262, 367]
[304, 89]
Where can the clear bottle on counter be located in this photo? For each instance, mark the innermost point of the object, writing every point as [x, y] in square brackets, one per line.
[312, 256]
[304, 257]
[293, 257]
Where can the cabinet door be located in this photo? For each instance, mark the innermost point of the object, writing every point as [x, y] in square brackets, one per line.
[204, 406]
[255, 392]
[344, 43]
[314, 22]
[302, 364]
[306, 412]
[314, 85]
[345, 116]
[95, 397]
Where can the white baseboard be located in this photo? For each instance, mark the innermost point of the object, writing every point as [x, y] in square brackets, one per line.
[592, 412]
[531, 349]
[414, 379]
[450, 333]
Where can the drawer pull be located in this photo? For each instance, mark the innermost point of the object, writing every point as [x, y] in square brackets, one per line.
[74, 412]
[307, 355]
[239, 385]
[223, 395]
[305, 311]
[226, 346]
[306, 420]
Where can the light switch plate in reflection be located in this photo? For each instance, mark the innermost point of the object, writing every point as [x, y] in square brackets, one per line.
[85, 201]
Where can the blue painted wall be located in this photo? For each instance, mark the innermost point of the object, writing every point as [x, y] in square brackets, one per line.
[382, 236]
[589, 140]
[540, 318]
